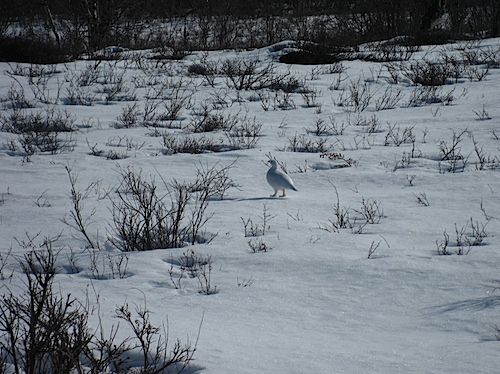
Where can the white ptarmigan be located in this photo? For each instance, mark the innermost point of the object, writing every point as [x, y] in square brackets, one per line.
[279, 180]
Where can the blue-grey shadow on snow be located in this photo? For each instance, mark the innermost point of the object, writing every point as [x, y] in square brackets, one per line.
[471, 305]
[134, 360]
[264, 198]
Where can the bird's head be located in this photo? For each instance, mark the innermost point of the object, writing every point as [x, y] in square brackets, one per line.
[272, 162]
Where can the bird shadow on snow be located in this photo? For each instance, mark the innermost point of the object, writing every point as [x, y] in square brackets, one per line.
[264, 198]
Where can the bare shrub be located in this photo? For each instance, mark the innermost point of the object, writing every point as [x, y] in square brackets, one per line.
[248, 282]
[78, 221]
[156, 357]
[442, 247]
[175, 279]
[15, 98]
[208, 121]
[79, 95]
[70, 346]
[422, 199]
[115, 88]
[477, 73]
[198, 267]
[426, 95]
[310, 97]
[145, 220]
[243, 74]
[162, 85]
[397, 136]
[214, 180]
[287, 83]
[245, 135]
[42, 331]
[126, 142]
[428, 73]
[174, 103]
[334, 156]
[468, 236]
[190, 262]
[141, 218]
[106, 266]
[258, 229]
[320, 127]
[204, 276]
[220, 99]
[389, 99]
[79, 90]
[283, 100]
[387, 51]
[38, 82]
[403, 162]
[4, 258]
[356, 97]
[116, 155]
[342, 217]
[373, 247]
[302, 143]
[128, 118]
[370, 211]
[482, 115]
[480, 55]
[359, 141]
[394, 72]
[251, 229]
[189, 144]
[277, 100]
[149, 113]
[206, 69]
[485, 161]
[450, 153]
[86, 77]
[337, 128]
[41, 131]
[258, 246]
[265, 99]
[20, 121]
[106, 351]
[335, 85]
[371, 124]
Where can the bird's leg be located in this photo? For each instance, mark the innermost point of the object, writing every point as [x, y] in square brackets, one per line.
[275, 193]
[284, 194]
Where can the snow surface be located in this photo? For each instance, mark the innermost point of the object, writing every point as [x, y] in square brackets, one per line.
[314, 302]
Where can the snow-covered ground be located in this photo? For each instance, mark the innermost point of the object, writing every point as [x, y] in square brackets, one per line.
[374, 298]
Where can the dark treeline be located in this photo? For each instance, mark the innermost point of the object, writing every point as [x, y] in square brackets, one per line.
[71, 27]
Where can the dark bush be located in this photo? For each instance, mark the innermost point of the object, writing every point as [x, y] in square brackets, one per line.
[36, 51]
[427, 37]
[58, 29]
[308, 58]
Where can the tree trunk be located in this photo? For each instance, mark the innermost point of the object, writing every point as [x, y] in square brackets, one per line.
[51, 23]
[433, 10]
[495, 29]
